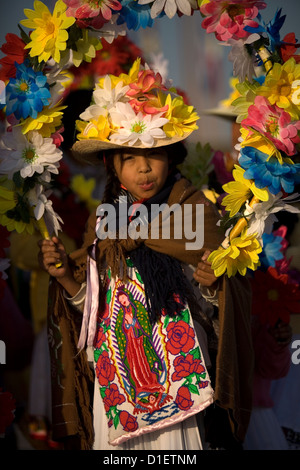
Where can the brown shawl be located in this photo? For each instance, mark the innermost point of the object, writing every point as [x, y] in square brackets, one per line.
[72, 414]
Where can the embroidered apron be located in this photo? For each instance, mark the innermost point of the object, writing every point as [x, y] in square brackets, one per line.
[150, 377]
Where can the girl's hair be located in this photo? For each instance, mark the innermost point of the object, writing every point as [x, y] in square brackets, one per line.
[176, 154]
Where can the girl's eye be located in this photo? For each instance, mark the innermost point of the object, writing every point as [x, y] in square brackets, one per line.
[127, 157]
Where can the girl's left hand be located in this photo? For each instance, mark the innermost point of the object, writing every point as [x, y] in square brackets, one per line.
[204, 273]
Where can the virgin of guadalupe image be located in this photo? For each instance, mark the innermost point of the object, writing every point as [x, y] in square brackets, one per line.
[144, 368]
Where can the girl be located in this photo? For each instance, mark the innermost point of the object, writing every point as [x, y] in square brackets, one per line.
[137, 302]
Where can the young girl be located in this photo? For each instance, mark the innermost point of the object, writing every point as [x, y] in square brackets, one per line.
[138, 303]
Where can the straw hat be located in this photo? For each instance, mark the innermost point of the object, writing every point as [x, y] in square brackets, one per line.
[133, 110]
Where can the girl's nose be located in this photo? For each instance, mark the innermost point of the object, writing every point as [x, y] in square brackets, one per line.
[143, 165]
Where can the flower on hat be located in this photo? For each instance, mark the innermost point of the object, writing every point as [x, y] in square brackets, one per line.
[27, 94]
[49, 36]
[91, 13]
[182, 117]
[98, 128]
[269, 172]
[242, 254]
[241, 190]
[136, 128]
[274, 123]
[34, 154]
[228, 18]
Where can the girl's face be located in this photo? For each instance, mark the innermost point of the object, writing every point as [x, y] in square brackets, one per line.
[143, 172]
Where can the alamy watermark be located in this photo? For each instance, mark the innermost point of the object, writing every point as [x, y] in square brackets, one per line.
[131, 221]
[2, 352]
[296, 351]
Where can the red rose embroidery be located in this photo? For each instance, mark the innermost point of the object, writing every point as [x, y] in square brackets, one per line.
[7, 407]
[180, 337]
[105, 370]
[112, 397]
[100, 338]
[183, 399]
[185, 366]
[128, 421]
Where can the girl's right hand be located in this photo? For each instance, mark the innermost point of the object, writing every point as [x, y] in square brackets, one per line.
[53, 257]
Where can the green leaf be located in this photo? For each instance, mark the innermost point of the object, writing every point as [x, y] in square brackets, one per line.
[108, 295]
[116, 420]
[102, 391]
[196, 353]
[139, 277]
[193, 389]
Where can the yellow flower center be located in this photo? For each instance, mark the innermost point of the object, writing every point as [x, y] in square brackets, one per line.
[138, 127]
[29, 155]
[285, 90]
[24, 86]
[50, 28]
[272, 125]
[273, 295]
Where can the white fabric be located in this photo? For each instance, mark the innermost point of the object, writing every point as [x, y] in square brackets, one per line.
[182, 436]
[264, 431]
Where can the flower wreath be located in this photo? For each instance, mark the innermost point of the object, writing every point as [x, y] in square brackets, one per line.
[34, 72]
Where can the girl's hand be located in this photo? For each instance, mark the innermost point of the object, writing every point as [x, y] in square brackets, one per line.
[51, 255]
[204, 273]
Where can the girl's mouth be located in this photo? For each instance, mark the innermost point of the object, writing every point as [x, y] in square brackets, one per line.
[147, 186]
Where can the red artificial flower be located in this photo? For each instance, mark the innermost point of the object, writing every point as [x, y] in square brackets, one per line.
[105, 370]
[128, 421]
[181, 337]
[112, 397]
[185, 366]
[15, 52]
[183, 399]
[7, 407]
[274, 297]
[288, 49]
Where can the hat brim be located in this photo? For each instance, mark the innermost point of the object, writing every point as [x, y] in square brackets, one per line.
[88, 150]
[226, 113]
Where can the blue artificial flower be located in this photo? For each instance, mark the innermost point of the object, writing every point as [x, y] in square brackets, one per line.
[272, 244]
[135, 15]
[271, 29]
[270, 173]
[27, 94]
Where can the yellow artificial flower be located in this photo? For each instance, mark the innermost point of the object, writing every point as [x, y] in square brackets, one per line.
[240, 191]
[84, 189]
[98, 129]
[253, 138]
[49, 36]
[47, 122]
[278, 86]
[240, 255]
[182, 118]
[8, 201]
[18, 225]
[131, 77]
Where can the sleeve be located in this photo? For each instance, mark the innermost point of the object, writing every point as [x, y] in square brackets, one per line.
[77, 301]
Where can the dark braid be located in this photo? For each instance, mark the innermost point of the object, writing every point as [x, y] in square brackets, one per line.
[112, 187]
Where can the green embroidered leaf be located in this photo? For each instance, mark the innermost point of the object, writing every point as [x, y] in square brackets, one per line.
[97, 353]
[109, 273]
[129, 262]
[108, 295]
[196, 353]
[139, 277]
[185, 316]
[102, 392]
[116, 420]
[193, 389]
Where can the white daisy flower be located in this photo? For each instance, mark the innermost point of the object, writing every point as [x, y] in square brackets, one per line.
[243, 62]
[136, 128]
[33, 155]
[263, 213]
[105, 99]
[110, 30]
[170, 7]
[38, 198]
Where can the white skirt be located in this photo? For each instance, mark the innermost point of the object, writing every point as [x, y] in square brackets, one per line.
[264, 431]
[182, 436]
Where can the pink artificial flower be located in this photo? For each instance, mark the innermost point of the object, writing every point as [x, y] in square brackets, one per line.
[228, 18]
[91, 13]
[140, 91]
[274, 123]
[57, 137]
